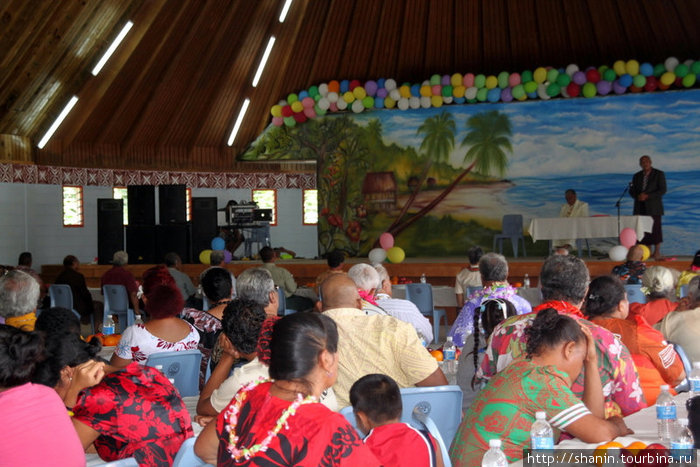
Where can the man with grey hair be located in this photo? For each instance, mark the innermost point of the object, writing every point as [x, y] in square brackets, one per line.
[564, 281]
[682, 326]
[19, 293]
[494, 277]
[256, 284]
[405, 310]
[118, 275]
[367, 281]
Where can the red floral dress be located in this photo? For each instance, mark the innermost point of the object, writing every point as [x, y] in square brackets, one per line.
[315, 436]
[138, 413]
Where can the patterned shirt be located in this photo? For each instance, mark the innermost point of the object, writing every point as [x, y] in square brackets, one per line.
[623, 394]
[464, 324]
[630, 272]
[137, 343]
[506, 407]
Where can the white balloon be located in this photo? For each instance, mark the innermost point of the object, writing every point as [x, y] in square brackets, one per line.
[342, 105]
[390, 85]
[323, 89]
[470, 93]
[357, 107]
[395, 94]
[425, 83]
[377, 255]
[671, 63]
[425, 102]
[402, 104]
[618, 253]
[571, 69]
[414, 102]
[447, 99]
[542, 92]
[333, 97]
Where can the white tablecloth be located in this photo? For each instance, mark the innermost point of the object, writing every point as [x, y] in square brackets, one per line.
[443, 295]
[551, 228]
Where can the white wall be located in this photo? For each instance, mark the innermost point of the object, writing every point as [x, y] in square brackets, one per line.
[30, 220]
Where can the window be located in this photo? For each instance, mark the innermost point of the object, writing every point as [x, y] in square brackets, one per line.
[120, 192]
[310, 207]
[267, 199]
[72, 206]
[188, 204]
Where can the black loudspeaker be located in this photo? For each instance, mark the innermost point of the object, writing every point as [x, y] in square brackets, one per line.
[204, 220]
[176, 238]
[141, 243]
[172, 204]
[142, 205]
[110, 228]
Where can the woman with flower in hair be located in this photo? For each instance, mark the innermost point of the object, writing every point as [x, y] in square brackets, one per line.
[657, 285]
[657, 363]
[280, 421]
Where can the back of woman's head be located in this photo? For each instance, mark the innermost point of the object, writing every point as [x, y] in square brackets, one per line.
[486, 317]
[63, 350]
[550, 329]
[164, 301]
[603, 296]
[242, 322]
[216, 284]
[297, 342]
[20, 352]
[58, 320]
[658, 282]
[155, 276]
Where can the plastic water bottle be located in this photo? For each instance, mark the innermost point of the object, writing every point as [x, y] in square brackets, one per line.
[108, 326]
[682, 442]
[665, 414]
[494, 457]
[541, 434]
[423, 279]
[526, 281]
[449, 355]
[694, 380]
[138, 319]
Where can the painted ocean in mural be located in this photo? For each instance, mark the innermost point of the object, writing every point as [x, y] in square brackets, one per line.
[525, 154]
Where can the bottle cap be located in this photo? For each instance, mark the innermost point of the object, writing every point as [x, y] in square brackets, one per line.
[541, 415]
[449, 338]
[494, 443]
[696, 365]
[665, 387]
[682, 421]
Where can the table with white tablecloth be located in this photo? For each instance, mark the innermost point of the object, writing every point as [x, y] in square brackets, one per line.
[551, 228]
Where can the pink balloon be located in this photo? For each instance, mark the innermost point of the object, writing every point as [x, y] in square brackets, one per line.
[468, 80]
[386, 240]
[628, 237]
[278, 121]
[308, 102]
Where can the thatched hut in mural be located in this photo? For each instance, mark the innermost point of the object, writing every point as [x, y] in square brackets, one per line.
[379, 191]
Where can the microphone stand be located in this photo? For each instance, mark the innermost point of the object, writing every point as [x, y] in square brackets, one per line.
[617, 204]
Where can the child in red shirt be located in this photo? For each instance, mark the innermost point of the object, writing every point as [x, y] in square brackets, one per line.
[376, 402]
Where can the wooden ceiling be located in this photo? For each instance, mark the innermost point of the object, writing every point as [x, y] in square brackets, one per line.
[170, 94]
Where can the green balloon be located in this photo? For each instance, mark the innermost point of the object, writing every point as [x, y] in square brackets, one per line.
[695, 68]
[435, 79]
[589, 90]
[368, 102]
[563, 80]
[319, 110]
[526, 76]
[552, 75]
[317, 97]
[292, 98]
[609, 75]
[602, 69]
[289, 121]
[471, 101]
[639, 81]
[659, 69]
[480, 81]
[689, 80]
[681, 70]
[553, 90]
[313, 91]
[518, 91]
[503, 79]
[482, 94]
[530, 87]
[447, 91]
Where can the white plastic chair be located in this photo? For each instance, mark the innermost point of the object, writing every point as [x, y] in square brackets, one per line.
[512, 228]
[186, 457]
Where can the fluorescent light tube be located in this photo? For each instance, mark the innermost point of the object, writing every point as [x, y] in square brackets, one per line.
[113, 46]
[285, 10]
[263, 61]
[57, 122]
[239, 120]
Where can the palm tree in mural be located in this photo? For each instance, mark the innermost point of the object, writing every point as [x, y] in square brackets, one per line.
[488, 138]
[438, 141]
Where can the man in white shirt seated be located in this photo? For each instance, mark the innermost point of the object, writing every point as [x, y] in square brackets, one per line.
[572, 208]
[405, 310]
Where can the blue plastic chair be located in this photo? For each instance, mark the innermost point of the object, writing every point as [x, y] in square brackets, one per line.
[62, 296]
[422, 296]
[186, 457]
[182, 367]
[117, 303]
[282, 309]
[684, 385]
[126, 462]
[437, 408]
[512, 228]
[635, 294]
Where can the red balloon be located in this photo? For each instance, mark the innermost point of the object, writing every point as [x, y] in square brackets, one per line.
[593, 76]
[634, 88]
[287, 111]
[573, 89]
[354, 83]
[678, 83]
[300, 117]
[651, 84]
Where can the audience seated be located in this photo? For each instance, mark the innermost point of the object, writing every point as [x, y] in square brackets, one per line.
[657, 363]
[374, 344]
[36, 428]
[284, 280]
[57, 320]
[336, 261]
[281, 422]
[489, 314]
[19, 294]
[469, 277]
[682, 326]
[128, 412]
[405, 310]
[367, 280]
[24, 264]
[558, 348]
[564, 281]
[632, 270]
[216, 260]
[164, 331]
[494, 275]
[118, 275]
[657, 284]
[182, 280]
[376, 403]
[692, 271]
[82, 299]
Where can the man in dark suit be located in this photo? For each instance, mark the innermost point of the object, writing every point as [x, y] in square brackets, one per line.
[647, 189]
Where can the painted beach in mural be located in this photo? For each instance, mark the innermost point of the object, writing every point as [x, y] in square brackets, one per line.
[440, 179]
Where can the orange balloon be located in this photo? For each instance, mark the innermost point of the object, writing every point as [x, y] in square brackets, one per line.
[334, 86]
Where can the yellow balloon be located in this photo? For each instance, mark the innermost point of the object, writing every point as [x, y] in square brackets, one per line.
[645, 252]
[205, 257]
[426, 91]
[436, 101]
[359, 93]
[405, 91]
[276, 110]
[491, 82]
[297, 106]
[348, 97]
[540, 75]
[668, 78]
[458, 91]
[632, 67]
[395, 254]
[456, 80]
[619, 67]
[389, 103]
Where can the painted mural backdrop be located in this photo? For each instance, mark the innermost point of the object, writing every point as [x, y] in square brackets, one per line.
[440, 179]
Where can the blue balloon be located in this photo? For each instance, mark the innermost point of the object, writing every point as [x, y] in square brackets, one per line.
[380, 83]
[303, 94]
[218, 243]
[379, 102]
[344, 86]
[460, 100]
[494, 95]
[625, 80]
[646, 69]
[532, 95]
[415, 90]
